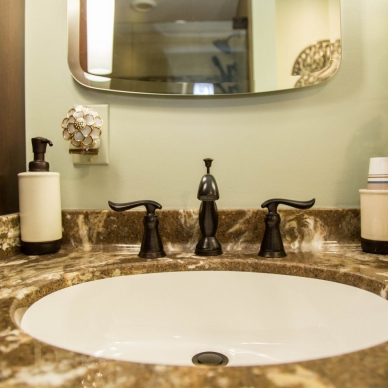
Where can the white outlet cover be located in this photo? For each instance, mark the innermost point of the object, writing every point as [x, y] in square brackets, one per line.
[103, 152]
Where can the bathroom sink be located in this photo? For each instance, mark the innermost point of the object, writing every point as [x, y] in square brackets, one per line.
[250, 318]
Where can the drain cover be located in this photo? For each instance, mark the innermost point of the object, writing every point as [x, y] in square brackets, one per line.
[210, 359]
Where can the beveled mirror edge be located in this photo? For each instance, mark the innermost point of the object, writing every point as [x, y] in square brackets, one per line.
[143, 87]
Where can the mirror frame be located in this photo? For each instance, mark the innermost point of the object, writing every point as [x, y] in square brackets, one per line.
[162, 88]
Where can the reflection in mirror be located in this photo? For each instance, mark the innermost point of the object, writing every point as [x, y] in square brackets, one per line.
[203, 47]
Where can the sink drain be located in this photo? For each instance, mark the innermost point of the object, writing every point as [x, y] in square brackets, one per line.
[210, 359]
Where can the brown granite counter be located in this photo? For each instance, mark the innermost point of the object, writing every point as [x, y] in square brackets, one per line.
[313, 251]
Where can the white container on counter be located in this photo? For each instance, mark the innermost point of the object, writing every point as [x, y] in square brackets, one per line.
[374, 221]
[40, 205]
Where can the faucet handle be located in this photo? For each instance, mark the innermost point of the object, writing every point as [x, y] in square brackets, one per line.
[151, 245]
[208, 164]
[272, 204]
[151, 206]
[272, 243]
[208, 189]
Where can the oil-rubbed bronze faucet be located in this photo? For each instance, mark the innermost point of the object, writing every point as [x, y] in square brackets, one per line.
[151, 245]
[272, 243]
[208, 193]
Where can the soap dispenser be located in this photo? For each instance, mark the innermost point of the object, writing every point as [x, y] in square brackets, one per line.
[40, 204]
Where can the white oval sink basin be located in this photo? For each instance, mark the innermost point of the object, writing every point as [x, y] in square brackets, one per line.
[251, 318]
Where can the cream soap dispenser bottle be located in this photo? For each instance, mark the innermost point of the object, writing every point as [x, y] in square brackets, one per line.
[40, 204]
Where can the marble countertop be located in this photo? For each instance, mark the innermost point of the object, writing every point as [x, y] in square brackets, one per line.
[25, 361]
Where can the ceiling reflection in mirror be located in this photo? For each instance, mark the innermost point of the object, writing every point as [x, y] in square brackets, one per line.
[202, 47]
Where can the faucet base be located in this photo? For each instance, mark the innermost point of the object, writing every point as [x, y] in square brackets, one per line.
[152, 255]
[272, 254]
[208, 246]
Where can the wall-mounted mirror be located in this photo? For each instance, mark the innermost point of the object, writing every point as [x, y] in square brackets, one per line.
[203, 47]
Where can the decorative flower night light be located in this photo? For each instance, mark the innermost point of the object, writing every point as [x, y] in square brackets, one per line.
[82, 127]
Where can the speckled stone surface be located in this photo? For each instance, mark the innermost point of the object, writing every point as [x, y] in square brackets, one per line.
[104, 247]
[236, 228]
[9, 235]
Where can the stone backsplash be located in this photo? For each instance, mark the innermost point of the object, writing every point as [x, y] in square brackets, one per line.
[9, 235]
[301, 230]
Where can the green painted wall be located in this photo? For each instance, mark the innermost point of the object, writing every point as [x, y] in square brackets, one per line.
[298, 144]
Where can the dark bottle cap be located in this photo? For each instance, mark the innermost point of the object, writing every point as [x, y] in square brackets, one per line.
[39, 145]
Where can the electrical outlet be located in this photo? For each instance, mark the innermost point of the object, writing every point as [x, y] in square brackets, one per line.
[103, 152]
